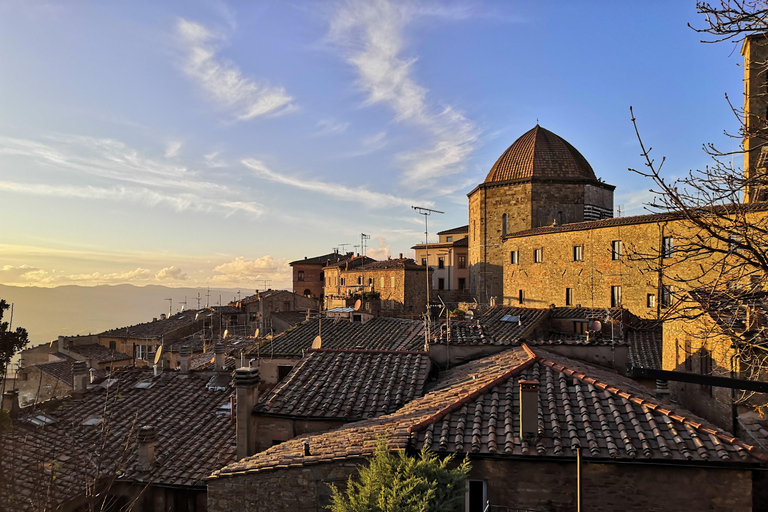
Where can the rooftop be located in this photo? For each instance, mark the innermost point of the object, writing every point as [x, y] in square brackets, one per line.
[194, 436]
[474, 409]
[348, 384]
[540, 153]
[325, 259]
[155, 329]
[455, 231]
[380, 333]
[99, 353]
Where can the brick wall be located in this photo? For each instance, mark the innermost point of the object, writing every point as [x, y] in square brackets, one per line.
[312, 279]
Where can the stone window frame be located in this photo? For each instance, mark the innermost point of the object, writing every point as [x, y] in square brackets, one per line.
[538, 255]
[569, 296]
[441, 262]
[423, 262]
[521, 297]
[578, 252]
[650, 300]
[514, 257]
[462, 261]
[300, 276]
[617, 250]
[381, 282]
[449, 239]
[392, 281]
[666, 295]
[504, 218]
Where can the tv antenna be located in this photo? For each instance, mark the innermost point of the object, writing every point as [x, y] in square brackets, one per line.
[208, 297]
[343, 246]
[363, 238]
[265, 282]
[426, 212]
[183, 304]
[198, 300]
[170, 305]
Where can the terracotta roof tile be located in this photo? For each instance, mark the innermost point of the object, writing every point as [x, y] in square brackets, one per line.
[474, 408]
[99, 353]
[645, 347]
[455, 231]
[325, 259]
[348, 384]
[155, 329]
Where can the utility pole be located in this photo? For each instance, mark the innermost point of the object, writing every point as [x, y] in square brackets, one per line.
[426, 212]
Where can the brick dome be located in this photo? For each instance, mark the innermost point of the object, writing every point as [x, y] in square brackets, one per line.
[542, 154]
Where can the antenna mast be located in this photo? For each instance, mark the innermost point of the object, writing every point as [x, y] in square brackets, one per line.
[170, 305]
[426, 212]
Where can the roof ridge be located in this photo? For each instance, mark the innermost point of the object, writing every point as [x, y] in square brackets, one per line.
[441, 413]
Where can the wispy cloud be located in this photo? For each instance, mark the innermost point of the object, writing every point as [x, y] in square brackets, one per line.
[330, 126]
[371, 34]
[223, 80]
[212, 160]
[357, 194]
[241, 270]
[121, 174]
[172, 149]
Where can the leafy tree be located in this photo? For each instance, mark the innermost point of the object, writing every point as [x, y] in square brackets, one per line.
[10, 341]
[396, 482]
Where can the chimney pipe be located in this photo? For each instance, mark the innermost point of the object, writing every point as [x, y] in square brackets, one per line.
[247, 393]
[184, 353]
[218, 357]
[529, 408]
[400, 256]
[80, 377]
[146, 439]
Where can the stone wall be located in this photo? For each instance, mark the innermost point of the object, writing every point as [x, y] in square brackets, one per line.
[312, 279]
[273, 430]
[538, 485]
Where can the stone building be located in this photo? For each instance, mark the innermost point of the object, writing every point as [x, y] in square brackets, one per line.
[308, 276]
[448, 259]
[539, 180]
[638, 453]
[260, 308]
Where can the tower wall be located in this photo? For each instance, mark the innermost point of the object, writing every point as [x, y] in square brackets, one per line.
[755, 52]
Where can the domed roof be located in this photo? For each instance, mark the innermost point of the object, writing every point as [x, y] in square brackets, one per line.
[542, 154]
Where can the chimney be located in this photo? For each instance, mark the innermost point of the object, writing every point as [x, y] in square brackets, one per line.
[146, 438]
[11, 402]
[80, 377]
[247, 391]
[529, 408]
[184, 353]
[400, 256]
[218, 357]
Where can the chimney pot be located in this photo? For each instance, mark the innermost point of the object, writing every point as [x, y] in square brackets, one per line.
[218, 357]
[400, 256]
[79, 377]
[146, 439]
[247, 394]
[184, 353]
[529, 408]
[11, 402]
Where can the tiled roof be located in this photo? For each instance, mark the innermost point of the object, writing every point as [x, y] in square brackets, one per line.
[455, 231]
[602, 314]
[226, 310]
[462, 242]
[475, 409]
[194, 437]
[325, 259]
[402, 263]
[355, 262]
[61, 370]
[156, 329]
[292, 317]
[489, 329]
[99, 353]
[542, 154]
[645, 347]
[380, 333]
[348, 384]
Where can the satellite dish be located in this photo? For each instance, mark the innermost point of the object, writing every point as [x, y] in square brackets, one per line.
[225, 333]
[158, 354]
[358, 303]
[595, 326]
[256, 334]
[469, 315]
[317, 342]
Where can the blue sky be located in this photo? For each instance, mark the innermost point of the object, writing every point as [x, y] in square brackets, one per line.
[210, 143]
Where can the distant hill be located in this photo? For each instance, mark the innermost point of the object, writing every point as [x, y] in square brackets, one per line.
[47, 313]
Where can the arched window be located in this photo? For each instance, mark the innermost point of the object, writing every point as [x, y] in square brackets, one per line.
[307, 293]
[559, 218]
[504, 225]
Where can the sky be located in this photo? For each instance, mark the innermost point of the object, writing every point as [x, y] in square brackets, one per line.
[200, 143]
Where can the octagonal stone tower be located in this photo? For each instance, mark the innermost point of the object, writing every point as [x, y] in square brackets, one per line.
[539, 180]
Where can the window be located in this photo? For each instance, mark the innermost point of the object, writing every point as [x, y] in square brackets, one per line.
[580, 327]
[449, 239]
[322, 277]
[112, 345]
[504, 225]
[476, 496]
[667, 247]
[734, 243]
[301, 275]
[341, 281]
[360, 280]
[559, 218]
[286, 307]
[441, 262]
[441, 284]
[462, 283]
[569, 296]
[141, 352]
[392, 281]
[370, 281]
[283, 371]
[381, 282]
[521, 297]
[462, 261]
[513, 259]
[650, 300]
[616, 250]
[615, 296]
[666, 296]
[424, 262]
[578, 253]
[537, 255]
